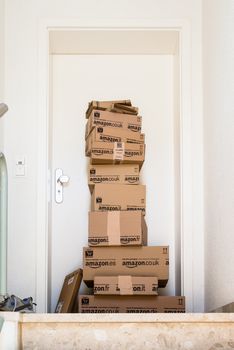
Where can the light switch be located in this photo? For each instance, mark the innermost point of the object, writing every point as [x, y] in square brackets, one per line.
[20, 160]
[20, 166]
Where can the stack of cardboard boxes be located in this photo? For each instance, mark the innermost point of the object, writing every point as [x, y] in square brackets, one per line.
[123, 271]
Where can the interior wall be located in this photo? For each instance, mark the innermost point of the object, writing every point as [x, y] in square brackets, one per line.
[218, 55]
[1, 68]
[22, 34]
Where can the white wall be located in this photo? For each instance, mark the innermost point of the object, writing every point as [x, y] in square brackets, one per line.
[218, 26]
[22, 21]
[1, 67]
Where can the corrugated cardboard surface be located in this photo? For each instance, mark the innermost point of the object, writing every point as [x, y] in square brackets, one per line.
[113, 120]
[130, 304]
[103, 105]
[118, 197]
[113, 174]
[117, 228]
[125, 285]
[107, 134]
[117, 153]
[69, 292]
[135, 261]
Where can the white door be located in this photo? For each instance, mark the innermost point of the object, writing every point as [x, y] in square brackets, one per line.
[76, 80]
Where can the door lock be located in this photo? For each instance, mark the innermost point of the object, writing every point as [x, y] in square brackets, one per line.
[60, 180]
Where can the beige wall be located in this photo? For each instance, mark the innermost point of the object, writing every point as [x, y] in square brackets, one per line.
[22, 23]
[218, 26]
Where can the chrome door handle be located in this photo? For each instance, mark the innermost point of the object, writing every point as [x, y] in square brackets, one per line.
[60, 180]
[63, 179]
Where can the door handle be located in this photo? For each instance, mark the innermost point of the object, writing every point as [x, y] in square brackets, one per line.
[60, 180]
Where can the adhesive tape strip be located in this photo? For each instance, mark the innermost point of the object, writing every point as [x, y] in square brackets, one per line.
[125, 285]
[113, 227]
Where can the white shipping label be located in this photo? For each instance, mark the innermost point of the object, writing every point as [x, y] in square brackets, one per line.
[59, 307]
[70, 281]
[118, 153]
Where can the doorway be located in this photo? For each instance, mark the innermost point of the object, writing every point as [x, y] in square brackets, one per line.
[100, 64]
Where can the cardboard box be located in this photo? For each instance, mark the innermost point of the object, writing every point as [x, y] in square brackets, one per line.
[69, 292]
[125, 285]
[117, 153]
[116, 228]
[118, 197]
[113, 174]
[107, 134]
[104, 105]
[121, 108]
[113, 120]
[130, 304]
[134, 261]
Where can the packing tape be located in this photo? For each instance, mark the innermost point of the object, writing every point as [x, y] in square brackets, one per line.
[113, 227]
[119, 148]
[125, 285]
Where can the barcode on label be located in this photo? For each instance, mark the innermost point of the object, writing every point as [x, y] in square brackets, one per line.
[119, 144]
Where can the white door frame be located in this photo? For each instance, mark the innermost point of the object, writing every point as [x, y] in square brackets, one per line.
[43, 189]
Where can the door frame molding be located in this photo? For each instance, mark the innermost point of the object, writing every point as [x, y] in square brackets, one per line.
[189, 200]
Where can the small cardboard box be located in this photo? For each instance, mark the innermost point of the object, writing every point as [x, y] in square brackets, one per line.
[126, 174]
[117, 153]
[130, 304]
[69, 292]
[114, 120]
[125, 285]
[116, 228]
[118, 197]
[106, 134]
[134, 261]
[105, 105]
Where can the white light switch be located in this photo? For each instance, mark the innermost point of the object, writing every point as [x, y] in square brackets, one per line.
[20, 166]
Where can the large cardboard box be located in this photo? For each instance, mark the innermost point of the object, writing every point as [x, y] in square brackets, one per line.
[69, 292]
[118, 197]
[117, 153]
[130, 304]
[106, 105]
[125, 174]
[116, 228]
[106, 134]
[134, 261]
[113, 120]
[125, 285]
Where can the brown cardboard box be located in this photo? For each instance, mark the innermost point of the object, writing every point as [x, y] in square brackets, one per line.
[117, 153]
[121, 108]
[103, 105]
[134, 261]
[69, 292]
[125, 285]
[130, 304]
[106, 134]
[126, 174]
[118, 197]
[113, 120]
[116, 228]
